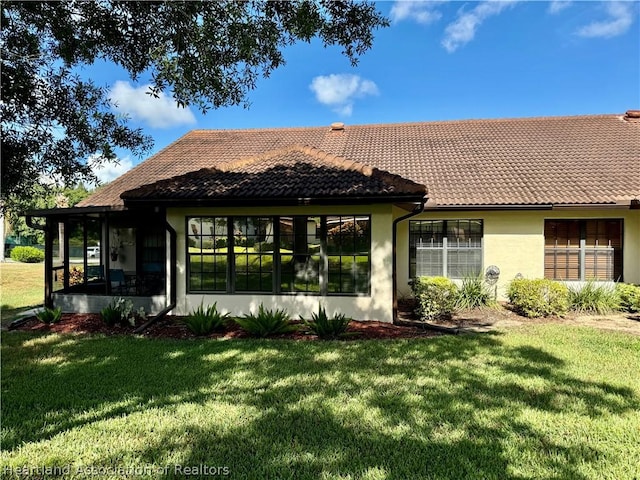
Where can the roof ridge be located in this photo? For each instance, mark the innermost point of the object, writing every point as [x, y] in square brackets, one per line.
[414, 123]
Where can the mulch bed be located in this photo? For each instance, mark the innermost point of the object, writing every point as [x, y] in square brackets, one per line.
[172, 327]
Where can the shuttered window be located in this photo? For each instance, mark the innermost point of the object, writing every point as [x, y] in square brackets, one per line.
[583, 249]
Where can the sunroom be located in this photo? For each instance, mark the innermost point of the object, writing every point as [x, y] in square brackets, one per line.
[95, 254]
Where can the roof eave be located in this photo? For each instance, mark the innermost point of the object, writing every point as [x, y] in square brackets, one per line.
[52, 212]
[276, 201]
[614, 205]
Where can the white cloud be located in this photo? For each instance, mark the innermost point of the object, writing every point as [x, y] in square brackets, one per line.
[621, 16]
[422, 12]
[464, 28]
[161, 112]
[108, 171]
[340, 90]
[556, 6]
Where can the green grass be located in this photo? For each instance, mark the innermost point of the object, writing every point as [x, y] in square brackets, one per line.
[21, 287]
[545, 401]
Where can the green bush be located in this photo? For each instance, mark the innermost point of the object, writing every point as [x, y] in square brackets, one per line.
[221, 242]
[629, 297]
[436, 297]
[27, 254]
[327, 327]
[49, 315]
[539, 297]
[474, 293]
[111, 315]
[203, 321]
[592, 297]
[266, 322]
[121, 311]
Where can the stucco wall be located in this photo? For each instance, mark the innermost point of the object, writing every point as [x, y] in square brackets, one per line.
[514, 241]
[377, 306]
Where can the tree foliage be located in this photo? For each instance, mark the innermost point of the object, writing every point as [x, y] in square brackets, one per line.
[206, 54]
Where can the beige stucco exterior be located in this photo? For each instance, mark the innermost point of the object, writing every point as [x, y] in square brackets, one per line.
[514, 240]
[377, 306]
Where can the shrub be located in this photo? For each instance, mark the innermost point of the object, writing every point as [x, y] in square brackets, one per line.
[474, 293]
[27, 254]
[538, 298]
[111, 315]
[203, 321]
[49, 315]
[629, 297]
[266, 322]
[121, 311]
[594, 298]
[327, 327]
[221, 242]
[436, 297]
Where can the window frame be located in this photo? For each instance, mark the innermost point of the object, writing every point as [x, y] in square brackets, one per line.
[277, 289]
[582, 224]
[444, 247]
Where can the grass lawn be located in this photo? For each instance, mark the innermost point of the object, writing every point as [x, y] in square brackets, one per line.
[21, 286]
[546, 401]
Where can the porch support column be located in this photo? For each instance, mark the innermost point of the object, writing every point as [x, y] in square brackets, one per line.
[48, 263]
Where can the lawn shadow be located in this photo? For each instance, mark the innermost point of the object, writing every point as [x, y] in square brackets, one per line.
[444, 407]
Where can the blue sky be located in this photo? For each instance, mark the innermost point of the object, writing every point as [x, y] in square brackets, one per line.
[438, 60]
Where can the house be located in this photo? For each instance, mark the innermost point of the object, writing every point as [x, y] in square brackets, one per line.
[344, 216]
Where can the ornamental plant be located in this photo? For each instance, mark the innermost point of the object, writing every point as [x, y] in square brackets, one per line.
[266, 322]
[203, 321]
[436, 297]
[538, 297]
[327, 327]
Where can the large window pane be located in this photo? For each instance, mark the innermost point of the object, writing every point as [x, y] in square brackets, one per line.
[452, 248]
[348, 250]
[583, 249]
[207, 246]
[300, 254]
[253, 254]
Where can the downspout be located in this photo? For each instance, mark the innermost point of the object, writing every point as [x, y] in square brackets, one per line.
[173, 294]
[394, 274]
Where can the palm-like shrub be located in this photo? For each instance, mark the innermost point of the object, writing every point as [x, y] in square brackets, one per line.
[473, 293]
[266, 322]
[327, 327]
[49, 315]
[594, 298]
[203, 321]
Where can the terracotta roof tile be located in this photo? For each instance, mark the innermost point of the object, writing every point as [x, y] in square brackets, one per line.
[552, 160]
[296, 172]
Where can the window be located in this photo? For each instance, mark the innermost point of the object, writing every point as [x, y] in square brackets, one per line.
[348, 240]
[253, 254]
[449, 248]
[583, 249]
[289, 254]
[207, 253]
[300, 257]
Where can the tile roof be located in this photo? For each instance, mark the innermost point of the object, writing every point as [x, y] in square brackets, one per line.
[526, 161]
[292, 173]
